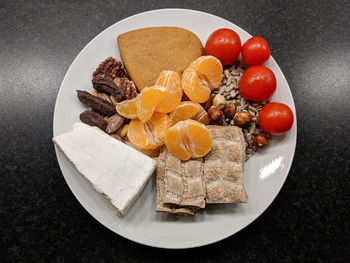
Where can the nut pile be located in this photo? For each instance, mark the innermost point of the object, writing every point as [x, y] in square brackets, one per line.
[111, 84]
[238, 111]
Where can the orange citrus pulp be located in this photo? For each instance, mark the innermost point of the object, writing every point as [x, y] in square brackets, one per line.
[149, 134]
[188, 139]
[189, 110]
[147, 101]
[127, 108]
[172, 82]
[201, 77]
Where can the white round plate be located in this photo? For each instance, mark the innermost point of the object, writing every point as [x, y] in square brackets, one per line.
[264, 173]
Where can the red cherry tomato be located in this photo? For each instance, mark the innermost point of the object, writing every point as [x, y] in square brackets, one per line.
[224, 44]
[275, 118]
[255, 51]
[257, 83]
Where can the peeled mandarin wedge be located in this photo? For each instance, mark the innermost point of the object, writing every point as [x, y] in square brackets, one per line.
[195, 89]
[189, 110]
[186, 110]
[127, 108]
[188, 139]
[201, 77]
[172, 82]
[209, 69]
[149, 134]
[148, 99]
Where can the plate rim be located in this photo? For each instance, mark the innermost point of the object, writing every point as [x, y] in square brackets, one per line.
[141, 240]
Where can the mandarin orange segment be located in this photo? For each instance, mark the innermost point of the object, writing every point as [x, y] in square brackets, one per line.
[127, 108]
[172, 82]
[186, 110]
[188, 139]
[201, 77]
[149, 134]
[209, 69]
[174, 143]
[196, 89]
[148, 99]
[189, 110]
[161, 125]
[200, 139]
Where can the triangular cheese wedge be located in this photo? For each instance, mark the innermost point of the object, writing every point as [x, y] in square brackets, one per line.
[146, 52]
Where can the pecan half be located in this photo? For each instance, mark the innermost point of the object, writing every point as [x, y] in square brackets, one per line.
[130, 91]
[106, 85]
[128, 86]
[93, 119]
[114, 123]
[96, 103]
[111, 68]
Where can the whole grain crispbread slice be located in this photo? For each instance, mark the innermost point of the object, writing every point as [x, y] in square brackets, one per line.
[184, 185]
[223, 168]
[161, 184]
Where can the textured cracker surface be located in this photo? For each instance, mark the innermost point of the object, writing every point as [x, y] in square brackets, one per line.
[161, 182]
[223, 168]
[184, 182]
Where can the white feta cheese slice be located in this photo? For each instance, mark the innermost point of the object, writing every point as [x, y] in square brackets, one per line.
[117, 171]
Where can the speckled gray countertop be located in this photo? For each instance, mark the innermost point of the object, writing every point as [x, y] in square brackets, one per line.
[40, 219]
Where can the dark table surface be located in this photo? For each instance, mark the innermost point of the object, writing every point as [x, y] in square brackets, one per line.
[40, 219]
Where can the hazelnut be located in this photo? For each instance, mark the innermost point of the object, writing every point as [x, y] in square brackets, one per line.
[124, 131]
[216, 116]
[206, 105]
[242, 119]
[230, 110]
[260, 141]
[219, 101]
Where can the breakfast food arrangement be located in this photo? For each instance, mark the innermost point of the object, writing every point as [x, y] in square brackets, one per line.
[199, 113]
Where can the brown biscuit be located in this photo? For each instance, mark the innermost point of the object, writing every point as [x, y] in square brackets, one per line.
[148, 51]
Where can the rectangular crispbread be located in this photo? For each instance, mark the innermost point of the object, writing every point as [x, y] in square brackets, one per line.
[223, 168]
[161, 184]
[184, 184]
